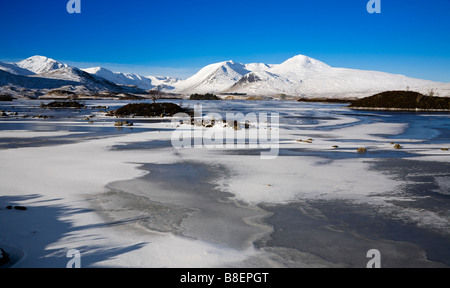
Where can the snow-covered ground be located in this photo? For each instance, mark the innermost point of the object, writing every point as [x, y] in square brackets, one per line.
[127, 198]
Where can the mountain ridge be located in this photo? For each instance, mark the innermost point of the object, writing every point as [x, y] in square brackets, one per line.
[298, 76]
[38, 75]
[131, 79]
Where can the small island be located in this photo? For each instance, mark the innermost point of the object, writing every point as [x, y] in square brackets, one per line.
[6, 97]
[402, 100]
[63, 105]
[207, 96]
[325, 100]
[150, 110]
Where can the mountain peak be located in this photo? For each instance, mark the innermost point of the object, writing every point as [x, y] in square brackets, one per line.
[299, 67]
[300, 57]
[99, 71]
[303, 61]
[39, 58]
[94, 69]
[40, 64]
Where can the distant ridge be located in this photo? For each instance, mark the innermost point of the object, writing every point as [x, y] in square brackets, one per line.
[38, 75]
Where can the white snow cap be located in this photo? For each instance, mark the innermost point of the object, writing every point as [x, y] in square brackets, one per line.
[299, 63]
[41, 64]
[305, 61]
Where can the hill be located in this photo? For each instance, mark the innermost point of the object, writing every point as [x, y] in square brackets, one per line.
[402, 100]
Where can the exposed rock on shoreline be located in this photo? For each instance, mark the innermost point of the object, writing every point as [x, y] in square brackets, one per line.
[4, 257]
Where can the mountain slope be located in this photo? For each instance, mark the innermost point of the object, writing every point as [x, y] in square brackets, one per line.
[131, 79]
[34, 82]
[121, 78]
[92, 83]
[33, 86]
[15, 69]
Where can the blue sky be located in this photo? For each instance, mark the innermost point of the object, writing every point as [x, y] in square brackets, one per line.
[176, 38]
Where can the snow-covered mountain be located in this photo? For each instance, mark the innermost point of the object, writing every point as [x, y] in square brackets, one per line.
[91, 82]
[40, 64]
[131, 79]
[217, 77]
[305, 76]
[39, 75]
[299, 76]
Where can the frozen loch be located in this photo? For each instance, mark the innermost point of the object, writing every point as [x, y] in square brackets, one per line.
[126, 197]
